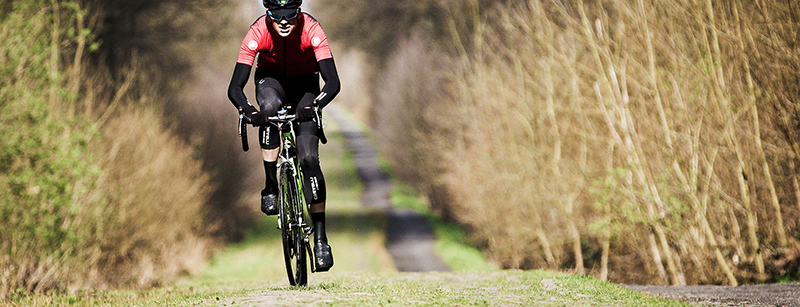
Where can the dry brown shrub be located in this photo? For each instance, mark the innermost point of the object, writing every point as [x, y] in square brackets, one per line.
[604, 137]
[674, 104]
[157, 224]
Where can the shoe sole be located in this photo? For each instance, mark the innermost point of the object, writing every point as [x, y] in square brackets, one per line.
[324, 269]
[270, 213]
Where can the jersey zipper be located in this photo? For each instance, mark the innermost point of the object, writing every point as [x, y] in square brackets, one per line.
[284, 58]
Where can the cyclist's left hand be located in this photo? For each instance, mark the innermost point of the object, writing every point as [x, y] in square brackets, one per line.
[305, 111]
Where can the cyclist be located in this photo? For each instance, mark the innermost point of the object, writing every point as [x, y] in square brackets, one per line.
[292, 52]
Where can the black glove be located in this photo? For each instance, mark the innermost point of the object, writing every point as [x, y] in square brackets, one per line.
[248, 110]
[305, 111]
[258, 119]
[253, 116]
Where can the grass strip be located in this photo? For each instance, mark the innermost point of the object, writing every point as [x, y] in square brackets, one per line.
[499, 288]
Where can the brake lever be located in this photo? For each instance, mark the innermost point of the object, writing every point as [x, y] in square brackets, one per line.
[243, 130]
[318, 114]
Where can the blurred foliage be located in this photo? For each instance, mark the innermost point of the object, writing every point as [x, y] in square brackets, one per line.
[641, 142]
[176, 44]
[92, 195]
[44, 163]
[155, 29]
[378, 27]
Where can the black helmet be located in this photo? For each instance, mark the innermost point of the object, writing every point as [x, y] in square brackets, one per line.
[279, 4]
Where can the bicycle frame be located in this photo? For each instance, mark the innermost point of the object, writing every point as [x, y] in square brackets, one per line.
[288, 156]
[298, 230]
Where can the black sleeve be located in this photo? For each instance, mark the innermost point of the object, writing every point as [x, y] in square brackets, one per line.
[328, 71]
[236, 89]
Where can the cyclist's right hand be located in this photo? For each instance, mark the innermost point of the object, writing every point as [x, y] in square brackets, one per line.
[253, 116]
[259, 119]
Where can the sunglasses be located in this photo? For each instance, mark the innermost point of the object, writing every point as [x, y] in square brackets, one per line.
[277, 15]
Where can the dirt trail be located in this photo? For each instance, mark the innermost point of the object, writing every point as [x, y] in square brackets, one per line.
[409, 236]
[786, 294]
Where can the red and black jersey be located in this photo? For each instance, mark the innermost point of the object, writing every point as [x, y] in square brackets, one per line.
[290, 56]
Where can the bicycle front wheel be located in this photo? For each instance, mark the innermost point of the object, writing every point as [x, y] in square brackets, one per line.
[291, 230]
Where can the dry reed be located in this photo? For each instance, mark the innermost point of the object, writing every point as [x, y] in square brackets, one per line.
[604, 137]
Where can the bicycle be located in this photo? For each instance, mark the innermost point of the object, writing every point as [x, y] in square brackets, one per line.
[293, 216]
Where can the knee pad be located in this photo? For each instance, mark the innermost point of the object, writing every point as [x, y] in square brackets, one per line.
[270, 108]
[310, 164]
[269, 95]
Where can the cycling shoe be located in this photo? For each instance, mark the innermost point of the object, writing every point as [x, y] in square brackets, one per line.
[269, 204]
[323, 255]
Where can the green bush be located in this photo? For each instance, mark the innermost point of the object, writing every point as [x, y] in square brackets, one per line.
[44, 165]
[90, 196]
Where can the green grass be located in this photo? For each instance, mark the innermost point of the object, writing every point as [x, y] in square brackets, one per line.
[500, 288]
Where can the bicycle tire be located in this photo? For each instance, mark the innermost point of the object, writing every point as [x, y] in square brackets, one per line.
[301, 269]
[284, 212]
[291, 231]
[301, 274]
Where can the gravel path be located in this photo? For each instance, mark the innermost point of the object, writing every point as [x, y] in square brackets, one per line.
[409, 238]
[786, 294]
